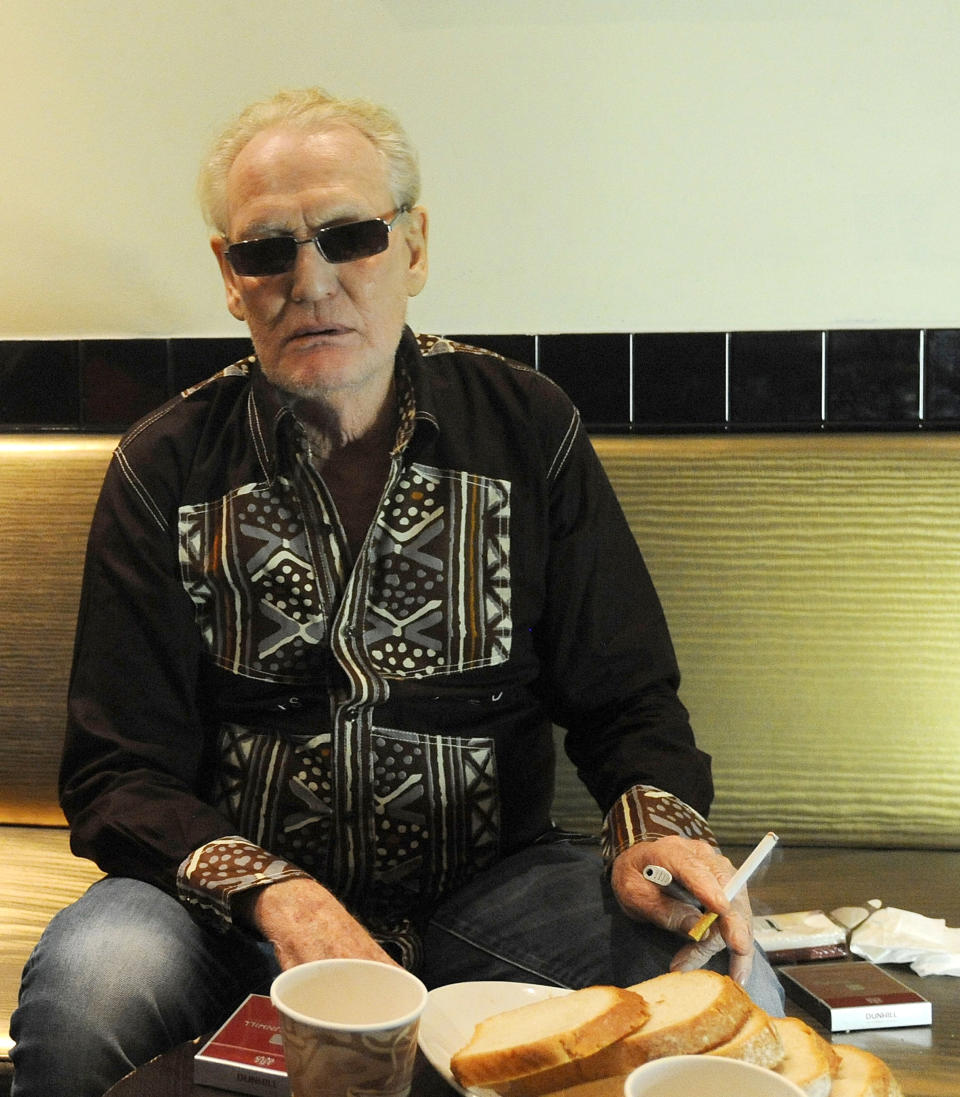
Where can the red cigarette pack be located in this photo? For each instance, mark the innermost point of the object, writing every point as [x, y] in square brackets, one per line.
[246, 1053]
[855, 994]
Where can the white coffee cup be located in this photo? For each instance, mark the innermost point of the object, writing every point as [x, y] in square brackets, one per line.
[685, 1075]
[349, 1026]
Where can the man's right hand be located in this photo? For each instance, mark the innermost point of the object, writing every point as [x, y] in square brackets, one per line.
[304, 921]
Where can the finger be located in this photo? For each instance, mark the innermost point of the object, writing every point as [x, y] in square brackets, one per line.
[701, 869]
[641, 899]
[689, 960]
[638, 894]
[682, 857]
[696, 955]
[733, 932]
[737, 926]
[735, 922]
[741, 966]
[673, 915]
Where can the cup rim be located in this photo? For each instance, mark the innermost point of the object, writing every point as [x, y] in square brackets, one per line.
[788, 1086]
[300, 971]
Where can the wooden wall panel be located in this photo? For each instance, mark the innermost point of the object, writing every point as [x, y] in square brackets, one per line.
[812, 586]
[47, 493]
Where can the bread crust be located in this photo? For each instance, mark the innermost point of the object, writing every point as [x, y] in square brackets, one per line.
[809, 1061]
[683, 1013]
[859, 1073]
[561, 1029]
[598, 1087]
[690, 1012]
[756, 1041]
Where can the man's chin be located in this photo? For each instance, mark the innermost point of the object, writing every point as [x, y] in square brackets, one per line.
[312, 391]
[316, 384]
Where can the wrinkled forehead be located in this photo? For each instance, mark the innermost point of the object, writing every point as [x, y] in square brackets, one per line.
[331, 171]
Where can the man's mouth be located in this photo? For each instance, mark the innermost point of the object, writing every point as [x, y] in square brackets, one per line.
[317, 331]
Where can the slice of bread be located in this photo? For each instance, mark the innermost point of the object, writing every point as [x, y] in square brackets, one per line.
[547, 1033]
[690, 1012]
[755, 1041]
[808, 1061]
[861, 1074]
[598, 1087]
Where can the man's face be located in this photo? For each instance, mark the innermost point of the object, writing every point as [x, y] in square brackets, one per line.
[322, 330]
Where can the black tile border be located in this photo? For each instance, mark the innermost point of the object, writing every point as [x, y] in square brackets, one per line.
[595, 372]
[871, 379]
[101, 385]
[40, 384]
[776, 377]
[679, 381]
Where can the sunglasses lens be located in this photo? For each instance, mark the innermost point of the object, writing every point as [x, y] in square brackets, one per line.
[257, 258]
[344, 243]
[338, 244]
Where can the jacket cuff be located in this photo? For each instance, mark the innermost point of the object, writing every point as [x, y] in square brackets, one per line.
[645, 813]
[214, 873]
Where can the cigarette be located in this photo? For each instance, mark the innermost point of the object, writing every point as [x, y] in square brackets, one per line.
[737, 881]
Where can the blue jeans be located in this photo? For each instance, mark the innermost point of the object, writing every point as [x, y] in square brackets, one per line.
[125, 973]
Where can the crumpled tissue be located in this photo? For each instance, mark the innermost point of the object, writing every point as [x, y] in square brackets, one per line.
[894, 936]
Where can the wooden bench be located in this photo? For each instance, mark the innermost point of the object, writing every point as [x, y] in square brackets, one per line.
[812, 585]
[49, 487]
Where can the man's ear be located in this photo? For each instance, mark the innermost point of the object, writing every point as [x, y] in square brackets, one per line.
[416, 240]
[229, 275]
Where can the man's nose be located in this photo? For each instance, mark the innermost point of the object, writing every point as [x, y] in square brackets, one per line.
[313, 276]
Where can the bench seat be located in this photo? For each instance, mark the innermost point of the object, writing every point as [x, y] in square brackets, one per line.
[811, 583]
[38, 876]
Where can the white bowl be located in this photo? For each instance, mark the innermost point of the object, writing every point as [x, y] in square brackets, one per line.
[703, 1075]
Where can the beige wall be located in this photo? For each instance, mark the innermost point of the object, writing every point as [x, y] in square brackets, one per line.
[590, 166]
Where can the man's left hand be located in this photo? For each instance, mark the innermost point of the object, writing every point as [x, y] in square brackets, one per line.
[703, 871]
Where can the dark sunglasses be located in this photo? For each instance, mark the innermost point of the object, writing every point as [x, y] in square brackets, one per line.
[336, 243]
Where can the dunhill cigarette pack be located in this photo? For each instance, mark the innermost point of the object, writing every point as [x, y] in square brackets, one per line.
[245, 1055]
[855, 994]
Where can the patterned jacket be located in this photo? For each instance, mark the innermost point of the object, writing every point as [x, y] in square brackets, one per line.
[248, 702]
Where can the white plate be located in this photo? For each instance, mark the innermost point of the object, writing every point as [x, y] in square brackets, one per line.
[452, 1012]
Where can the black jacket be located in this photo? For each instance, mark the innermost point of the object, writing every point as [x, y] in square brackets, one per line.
[383, 724]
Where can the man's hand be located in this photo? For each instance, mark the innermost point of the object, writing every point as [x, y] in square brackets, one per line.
[703, 871]
[304, 921]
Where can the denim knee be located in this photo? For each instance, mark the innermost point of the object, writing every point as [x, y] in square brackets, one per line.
[118, 977]
[764, 987]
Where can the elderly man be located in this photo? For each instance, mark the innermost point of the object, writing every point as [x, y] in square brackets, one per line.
[334, 599]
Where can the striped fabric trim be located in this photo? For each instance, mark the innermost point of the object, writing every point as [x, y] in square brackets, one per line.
[645, 813]
[215, 872]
